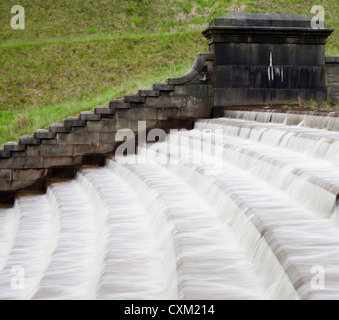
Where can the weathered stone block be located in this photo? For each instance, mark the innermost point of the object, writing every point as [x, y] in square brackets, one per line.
[118, 104]
[193, 90]
[24, 185]
[28, 140]
[59, 128]
[33, 151]
[14, 146]
[332, 78]
[166, 102]
[253, 97]
[74, 122]
[77, 138]
[18, 154]
[49, 142]
[56, 150]
[96, 148]
[89, 116]
[127, 124]
[6, 174]
[5, 185]
[6, 163]
[105, 125]
[134, 98]
[137, 113]
[4, 154]
[107, 137]
[79, 130]
[43, 134]
[159, 86]
[53, 161]
[148, 93]
[93, 126]
[27, 162]
[100, 110]
[262, 53]
[28, 175]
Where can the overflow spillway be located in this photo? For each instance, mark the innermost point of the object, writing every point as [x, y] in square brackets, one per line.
[240, 207]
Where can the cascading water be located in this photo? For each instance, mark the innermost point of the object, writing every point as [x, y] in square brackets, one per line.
[241, 207]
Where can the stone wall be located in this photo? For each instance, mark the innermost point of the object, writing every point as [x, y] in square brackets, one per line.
[332, 79]
[59, 151]
[267, 59]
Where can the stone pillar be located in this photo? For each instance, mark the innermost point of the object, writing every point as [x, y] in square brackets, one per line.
[267, 59]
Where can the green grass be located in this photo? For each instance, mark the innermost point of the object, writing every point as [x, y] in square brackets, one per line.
[74, 55]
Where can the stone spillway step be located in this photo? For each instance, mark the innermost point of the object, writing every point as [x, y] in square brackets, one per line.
[234, 209]
[210, 263]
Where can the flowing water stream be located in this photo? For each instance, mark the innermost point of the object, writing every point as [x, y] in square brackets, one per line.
[241, 207]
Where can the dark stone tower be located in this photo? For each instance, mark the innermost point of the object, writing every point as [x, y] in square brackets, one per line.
[262, 59]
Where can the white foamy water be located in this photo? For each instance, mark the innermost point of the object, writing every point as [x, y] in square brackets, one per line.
[241, 207]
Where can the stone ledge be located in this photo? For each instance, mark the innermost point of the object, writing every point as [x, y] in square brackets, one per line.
[148, 93]
[118, 104]
[89, 116]
[43, 134]
[28, 140]
[103, 110]
[59, 128]
[14, 146]
[332, 59]
[160, 86]
[74, 122]
[134, 98]
[263, 19]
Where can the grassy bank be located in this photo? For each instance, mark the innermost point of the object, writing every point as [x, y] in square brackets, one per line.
[74, 55]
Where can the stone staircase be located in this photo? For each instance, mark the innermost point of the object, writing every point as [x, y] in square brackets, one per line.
[60, 150]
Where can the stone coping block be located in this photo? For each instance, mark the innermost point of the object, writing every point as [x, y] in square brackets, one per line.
[43, 134]
[263, 20]
[58, 128]
[74, 122]
[134, 98]
[332, 59]
[14, 146]
[28, 140]
[160, 86]
[89, 116]
[103, 110]
[149, 93]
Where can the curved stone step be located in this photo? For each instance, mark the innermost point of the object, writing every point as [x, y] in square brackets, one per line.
[210, 263]
[9, 225]
[139, 262]
[311, 119]
[76, 266]
[32, 249]
[299, 239]
[313, 182]
[317, 143]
